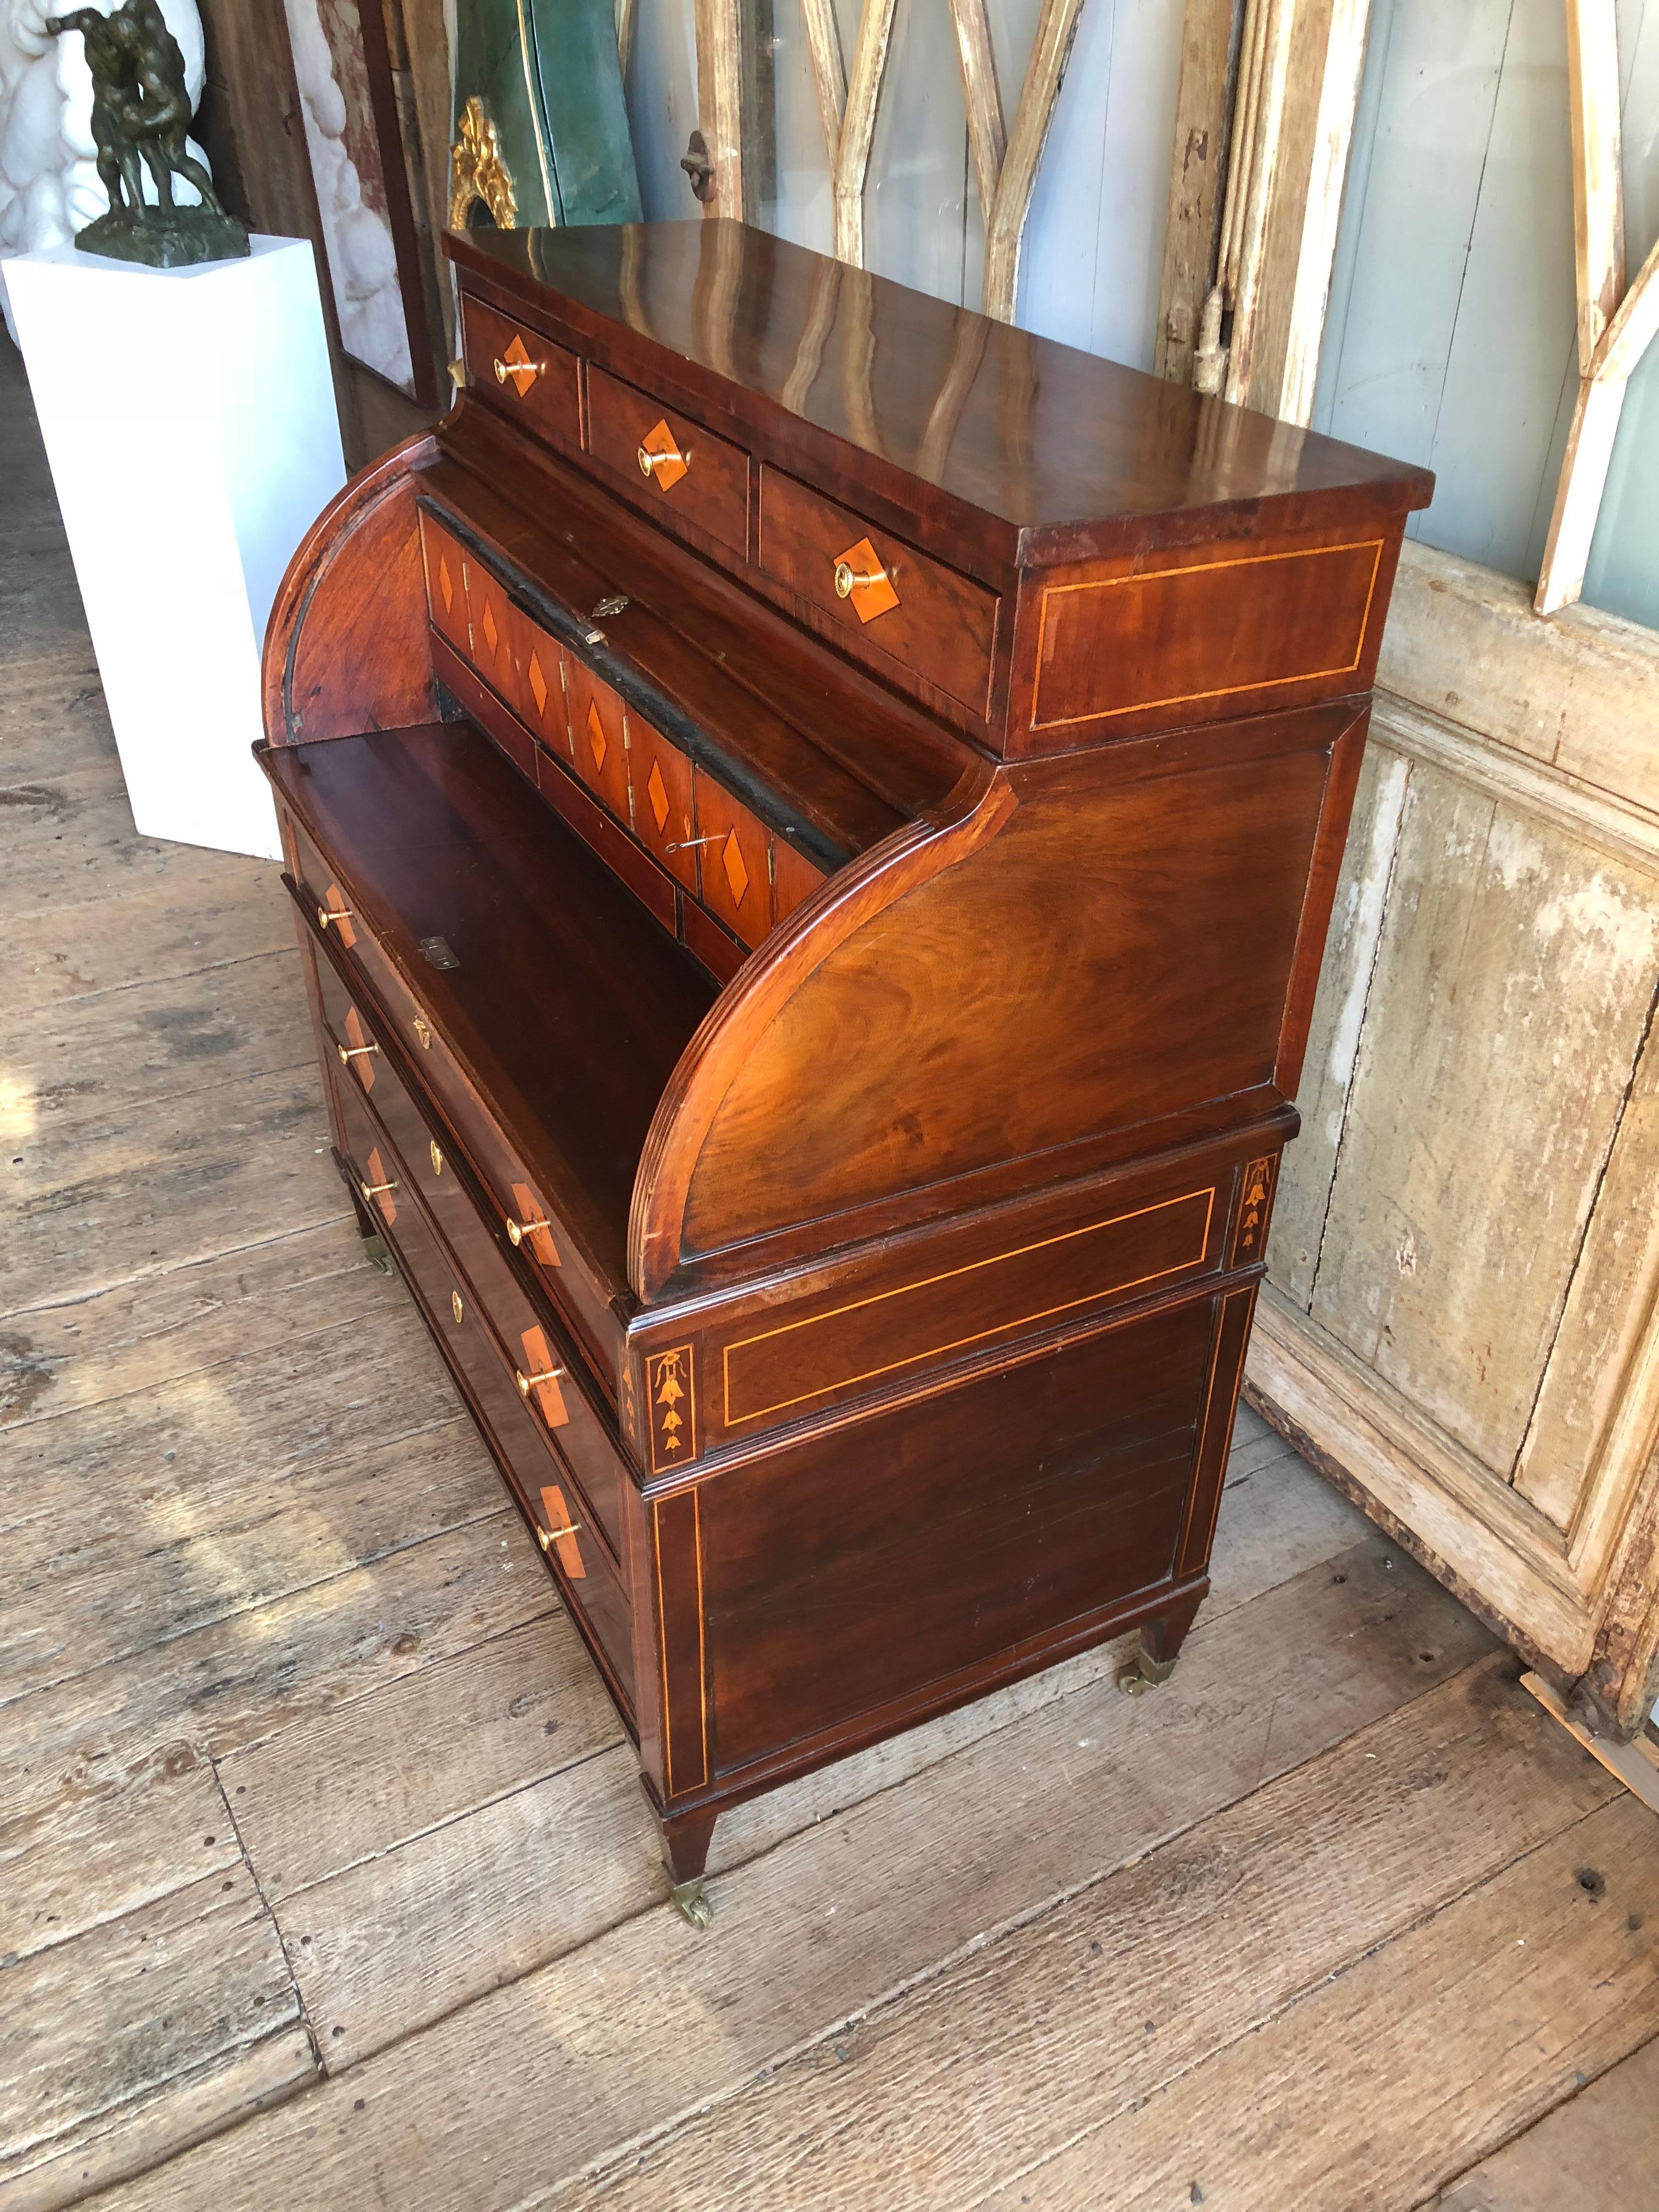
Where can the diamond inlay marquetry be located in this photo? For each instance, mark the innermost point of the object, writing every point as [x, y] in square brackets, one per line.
[492, 636]
[656, 792]
[736, 874]
[538, 682]
[520, 366]
[445, 584]
[596, 735]
[870, 588]
[668, 470]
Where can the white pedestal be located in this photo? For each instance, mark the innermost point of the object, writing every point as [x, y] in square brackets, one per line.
[189, 418]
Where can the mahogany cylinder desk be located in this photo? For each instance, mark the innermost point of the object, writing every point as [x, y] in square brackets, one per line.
[812, 817]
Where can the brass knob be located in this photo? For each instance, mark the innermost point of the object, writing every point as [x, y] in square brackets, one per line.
[437, 1156]
[423, 1033]
[518, 1231]
[847, 580]
[527, 369]
[650, 462]
[350, 1052]
[374, 1189]
[548, 1537]
[326, 915]
[527, 1383]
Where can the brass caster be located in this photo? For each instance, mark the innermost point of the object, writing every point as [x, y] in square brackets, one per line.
[690, 1903]
[1144, 1673]
[375, 1253]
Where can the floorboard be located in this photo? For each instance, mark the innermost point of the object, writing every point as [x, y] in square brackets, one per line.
[1033, 2068]
[325, 1874]
[1598, 2152]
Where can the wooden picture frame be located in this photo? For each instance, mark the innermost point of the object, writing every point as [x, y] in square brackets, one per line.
[376, 264]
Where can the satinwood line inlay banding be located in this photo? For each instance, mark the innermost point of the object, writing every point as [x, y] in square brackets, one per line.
[736, 1415]
[1144, 578]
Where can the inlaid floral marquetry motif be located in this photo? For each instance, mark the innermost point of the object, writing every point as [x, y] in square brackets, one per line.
[656, 792]
[737, 875]
[1255, 1205]
[670, 1389]
[596, 736]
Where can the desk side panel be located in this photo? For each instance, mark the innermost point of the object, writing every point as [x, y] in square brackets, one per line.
[1104, 941]
[347, 647]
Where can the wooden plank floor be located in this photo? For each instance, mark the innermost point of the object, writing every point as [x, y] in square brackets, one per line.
[327, 1876]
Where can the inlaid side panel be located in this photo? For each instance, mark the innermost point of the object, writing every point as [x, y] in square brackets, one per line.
[797, 1363]
[1157, 982]
[1233, 627]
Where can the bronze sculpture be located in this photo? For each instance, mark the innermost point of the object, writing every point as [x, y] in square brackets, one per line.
[140, 114]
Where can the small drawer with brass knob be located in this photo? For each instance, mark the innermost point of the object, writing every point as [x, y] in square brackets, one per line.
[692, 480]
[360, 1051]
[376, 1186]
[333, 913]
[889, 602]
[515, 367]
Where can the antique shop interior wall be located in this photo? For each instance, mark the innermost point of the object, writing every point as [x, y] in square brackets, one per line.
[1095, 242]
[1449, 339]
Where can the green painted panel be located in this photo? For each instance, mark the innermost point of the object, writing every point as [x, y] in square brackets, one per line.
[580, 78]
[547, 75]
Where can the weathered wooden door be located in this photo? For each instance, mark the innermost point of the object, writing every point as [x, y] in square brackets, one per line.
[1463, 1324]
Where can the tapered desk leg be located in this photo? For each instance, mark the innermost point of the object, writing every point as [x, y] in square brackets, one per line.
[1161, 1640]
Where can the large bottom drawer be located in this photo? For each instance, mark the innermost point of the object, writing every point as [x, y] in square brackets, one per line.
[541, 1484]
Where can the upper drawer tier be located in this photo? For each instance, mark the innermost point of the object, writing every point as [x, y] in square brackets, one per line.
[914, 484]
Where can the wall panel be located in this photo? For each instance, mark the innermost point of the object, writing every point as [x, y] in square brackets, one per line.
[1450, 335]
